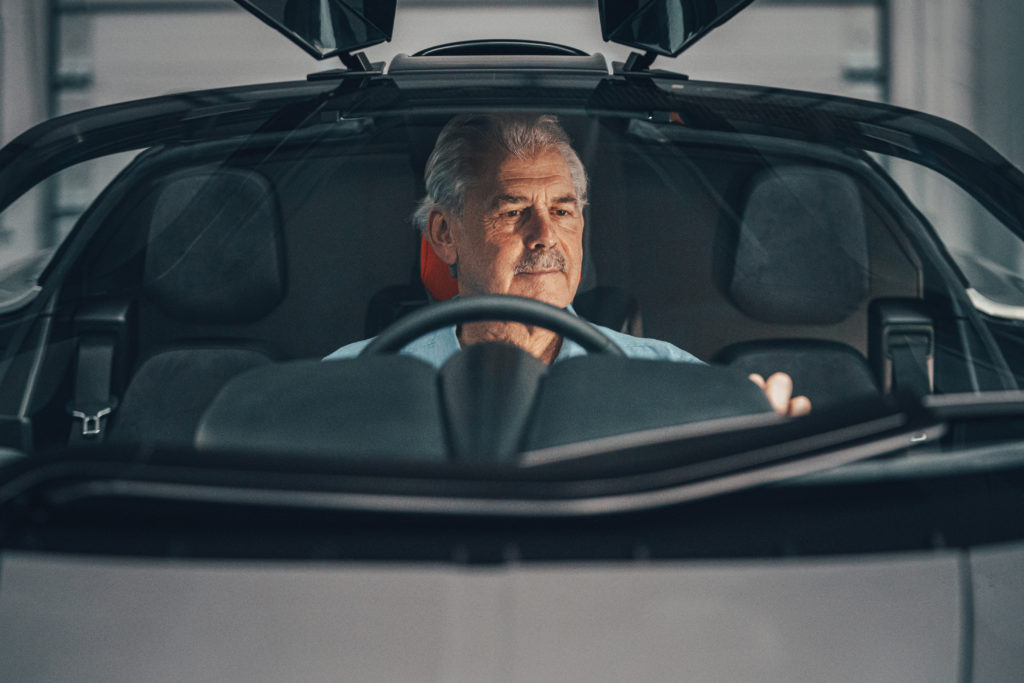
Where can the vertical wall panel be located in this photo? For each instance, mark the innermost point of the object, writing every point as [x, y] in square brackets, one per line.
[23, 66]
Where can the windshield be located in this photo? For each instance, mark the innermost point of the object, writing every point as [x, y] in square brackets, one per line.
[187, 296]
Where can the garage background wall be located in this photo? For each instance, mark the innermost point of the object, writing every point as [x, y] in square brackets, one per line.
[103, 51]
[23, 65]
[960, 59]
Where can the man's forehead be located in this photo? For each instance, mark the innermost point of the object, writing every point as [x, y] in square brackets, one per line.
[501, 177]
[510, 175]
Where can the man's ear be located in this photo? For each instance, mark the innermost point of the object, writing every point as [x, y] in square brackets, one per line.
[439, 234]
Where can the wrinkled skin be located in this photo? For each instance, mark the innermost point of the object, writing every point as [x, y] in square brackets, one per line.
[521, 233]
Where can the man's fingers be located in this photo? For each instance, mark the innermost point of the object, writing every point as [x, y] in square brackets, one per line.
[799, 405]
[779, 388]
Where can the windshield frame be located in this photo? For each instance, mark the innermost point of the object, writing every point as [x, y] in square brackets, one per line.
[286, 108]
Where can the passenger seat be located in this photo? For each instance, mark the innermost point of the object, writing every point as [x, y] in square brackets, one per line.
[214, 256]
[799, 256]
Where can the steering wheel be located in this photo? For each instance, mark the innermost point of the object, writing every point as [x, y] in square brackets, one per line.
[491, 307]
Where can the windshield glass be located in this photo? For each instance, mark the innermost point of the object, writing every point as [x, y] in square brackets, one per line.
[34, 225]
[200, 285]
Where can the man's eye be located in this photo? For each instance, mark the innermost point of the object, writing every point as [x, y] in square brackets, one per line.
[561, 212]
[512, 213]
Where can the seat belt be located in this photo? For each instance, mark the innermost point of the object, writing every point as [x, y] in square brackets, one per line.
[910, 354]
[101, 329]
[902, 345]
[93, 402]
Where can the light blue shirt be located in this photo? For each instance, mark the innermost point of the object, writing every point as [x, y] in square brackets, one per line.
[438, 346]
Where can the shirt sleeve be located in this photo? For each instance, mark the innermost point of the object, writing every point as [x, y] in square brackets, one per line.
[649, 349]
[349, 350]
[434, 347]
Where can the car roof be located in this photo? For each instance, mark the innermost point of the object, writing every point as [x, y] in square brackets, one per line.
[571, 83]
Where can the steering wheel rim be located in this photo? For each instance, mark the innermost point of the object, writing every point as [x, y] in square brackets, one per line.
[490, 307]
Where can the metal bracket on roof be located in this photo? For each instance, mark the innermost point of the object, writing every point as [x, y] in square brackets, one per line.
[355, 64]
[638, 65]
[637, 62]
[355, 61]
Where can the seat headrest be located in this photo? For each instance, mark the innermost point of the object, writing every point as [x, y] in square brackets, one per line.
[215, 250]
[800, 251]
[435, 275]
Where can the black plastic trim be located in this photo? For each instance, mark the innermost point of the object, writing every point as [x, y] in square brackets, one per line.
[510, 46]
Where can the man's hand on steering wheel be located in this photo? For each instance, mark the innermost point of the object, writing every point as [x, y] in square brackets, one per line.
[778, 388]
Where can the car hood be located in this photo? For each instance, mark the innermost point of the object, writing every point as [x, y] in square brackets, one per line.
[909, 617]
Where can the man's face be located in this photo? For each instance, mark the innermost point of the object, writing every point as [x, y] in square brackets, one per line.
[521, 231]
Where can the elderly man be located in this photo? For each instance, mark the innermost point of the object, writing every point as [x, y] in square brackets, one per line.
[504, 209]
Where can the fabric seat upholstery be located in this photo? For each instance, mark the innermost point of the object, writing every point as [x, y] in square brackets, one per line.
[799, 256]
[214, 255]
[800, 253]
[828, 373]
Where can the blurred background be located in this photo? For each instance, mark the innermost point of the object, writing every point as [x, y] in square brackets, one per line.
[959, 59]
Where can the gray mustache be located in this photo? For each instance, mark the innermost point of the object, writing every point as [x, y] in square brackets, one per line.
[542, 259]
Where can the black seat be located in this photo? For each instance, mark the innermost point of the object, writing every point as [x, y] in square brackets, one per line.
[391, 303]
[799, 256]
[214, 257]
[613, 307]
[829, 373]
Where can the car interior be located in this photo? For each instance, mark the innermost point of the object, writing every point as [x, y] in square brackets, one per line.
[214, 261]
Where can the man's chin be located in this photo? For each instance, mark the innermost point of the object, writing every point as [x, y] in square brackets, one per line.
[556, 296]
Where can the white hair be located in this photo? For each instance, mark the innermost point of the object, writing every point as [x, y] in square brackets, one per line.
[469, 140]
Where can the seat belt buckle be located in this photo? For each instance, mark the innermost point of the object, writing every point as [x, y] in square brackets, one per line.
[92, 420]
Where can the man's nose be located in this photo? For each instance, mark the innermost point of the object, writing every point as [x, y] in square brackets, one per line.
[539, 230]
